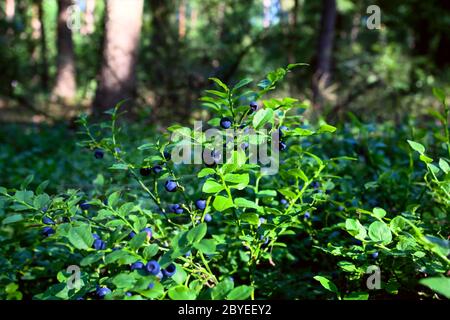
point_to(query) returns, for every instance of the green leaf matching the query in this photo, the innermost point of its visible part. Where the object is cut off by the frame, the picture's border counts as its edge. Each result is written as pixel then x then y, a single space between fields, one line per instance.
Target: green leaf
pixel 124 281
pixel 250 217
pixel 207 246
pixel 222 203
pixel 266 193
pixel 150 251
pixel 440 285
pixel 347 266
pixel 113 199
pixel 121 257
pixel 237 178
pixel 326 128
pixel 357 296
pixel 242 83
pixel 81 236
pixel 119 166
pixel 327 284
pixel 240 293
pixel 262 117
pixel 138 240
pixel 13 218
pixel 379 212
pixel 197 233
pixel 244 203
pixel 220 83
pixel 90 259
pixel 439 94
pixel 416 146
pixel 182 293
pixel 380 232
pixel 205 172
pixel 356 229
pixel 211 186
pixel 41 201
pixel 397 224
pixel 220 291
pixel 301 132
pixel 444 166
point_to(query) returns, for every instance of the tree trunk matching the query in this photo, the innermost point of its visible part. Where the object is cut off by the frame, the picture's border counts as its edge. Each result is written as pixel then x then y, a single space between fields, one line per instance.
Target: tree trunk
pixel 322 75
pixel 10 9
pixel 43 41
pixel 182 19
pixel 120 51
pixel 65 85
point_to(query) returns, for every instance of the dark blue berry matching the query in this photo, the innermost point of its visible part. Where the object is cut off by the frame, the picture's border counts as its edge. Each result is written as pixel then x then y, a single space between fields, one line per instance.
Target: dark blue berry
pixel 157 169
pixel 47 220
pixel 84 205
pixel 176 208
pixel 170 186
pixel 340 208
pixel 200 204
pixel 137 265
pixel 167 155
pixel 307 215
pixel 283 202
pixel 170 270
pixel 253 107
pixel 102 292
pixel 153 267
pixel 128 294
pixel 95 236
pixel 225 123
pixel 145 172
pixel 98 153
pixel 132 234
pixel 151 286
pixel 48 231
pixel 375 255
pixel 99 244
pixel 315 184
pixel 208 217
pixel 149 232
pixel 283 146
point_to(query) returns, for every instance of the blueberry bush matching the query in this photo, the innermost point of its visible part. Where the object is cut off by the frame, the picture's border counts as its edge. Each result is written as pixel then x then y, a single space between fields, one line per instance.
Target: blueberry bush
pixel 353 212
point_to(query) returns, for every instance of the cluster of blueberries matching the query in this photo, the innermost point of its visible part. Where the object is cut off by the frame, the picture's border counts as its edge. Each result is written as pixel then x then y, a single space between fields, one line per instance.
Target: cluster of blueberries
pixel 226 123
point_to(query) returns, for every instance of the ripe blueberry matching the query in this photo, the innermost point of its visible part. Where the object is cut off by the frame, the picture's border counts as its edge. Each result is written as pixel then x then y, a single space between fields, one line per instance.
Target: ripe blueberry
pixel 167 155
pixel 95 236
pixel 200 204
pixel 102 292
pixel 315 184
pixel 99 244
pixel 48 231
pixel 132 234
pixel 340 208
pixel 283 146
pixel 253 107
pixel 151 286
pixel 170 270
pixel 149 232
pixel 47 220
pixel 375 255
pixel 98 154
pixel 153 267
pixel 176 208
pixel 160 275
pixel 137 265
pixel 208 217
pixel 157 169
pixel 84 205
pixel 145 172
pixel 170 186
pixel 225 123
pixel 307 215
pixel 128 294
pixel 283 202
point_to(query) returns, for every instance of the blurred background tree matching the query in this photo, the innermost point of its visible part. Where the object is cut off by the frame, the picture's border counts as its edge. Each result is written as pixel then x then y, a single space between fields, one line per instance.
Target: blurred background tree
pixel 159 54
